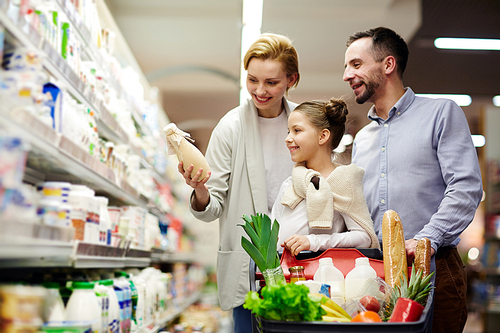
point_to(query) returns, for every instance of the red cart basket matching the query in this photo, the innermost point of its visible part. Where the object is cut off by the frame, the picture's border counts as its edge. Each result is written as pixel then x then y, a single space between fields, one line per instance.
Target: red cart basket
pixel 344 260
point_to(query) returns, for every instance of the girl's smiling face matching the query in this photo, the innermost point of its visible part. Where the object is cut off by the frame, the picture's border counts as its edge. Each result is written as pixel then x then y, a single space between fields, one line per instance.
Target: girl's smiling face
pixel 303 138
pixel 267 83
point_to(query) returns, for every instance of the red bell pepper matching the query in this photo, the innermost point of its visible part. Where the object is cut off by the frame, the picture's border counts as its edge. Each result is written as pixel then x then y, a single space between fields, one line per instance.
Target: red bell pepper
pixel 406 310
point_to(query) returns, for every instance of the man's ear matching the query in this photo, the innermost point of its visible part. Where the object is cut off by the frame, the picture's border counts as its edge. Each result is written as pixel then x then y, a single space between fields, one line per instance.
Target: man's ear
pixel 324 137
pixel 389 65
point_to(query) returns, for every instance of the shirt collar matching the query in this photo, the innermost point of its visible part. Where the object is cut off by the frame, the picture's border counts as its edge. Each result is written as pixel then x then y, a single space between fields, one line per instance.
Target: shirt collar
pixel 400 107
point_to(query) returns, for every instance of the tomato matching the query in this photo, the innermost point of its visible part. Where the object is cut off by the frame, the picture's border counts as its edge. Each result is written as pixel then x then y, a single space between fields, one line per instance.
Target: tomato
pixel 367 317
pixel 370 303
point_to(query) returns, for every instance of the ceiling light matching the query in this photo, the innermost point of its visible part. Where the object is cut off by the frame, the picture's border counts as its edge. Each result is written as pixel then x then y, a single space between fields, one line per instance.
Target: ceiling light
pixel 478 140
pixel 467 44
pixel 462 100
pixel 496 100
pixel 250 31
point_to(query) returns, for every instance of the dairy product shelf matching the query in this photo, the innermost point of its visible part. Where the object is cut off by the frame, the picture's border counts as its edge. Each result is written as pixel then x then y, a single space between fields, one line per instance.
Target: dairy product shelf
pixel 54 154
pixel 173 313
pixel 25 35
pixel 34 253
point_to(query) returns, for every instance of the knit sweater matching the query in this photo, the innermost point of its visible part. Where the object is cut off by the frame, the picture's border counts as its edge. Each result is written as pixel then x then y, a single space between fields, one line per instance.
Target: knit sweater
pixel 345 195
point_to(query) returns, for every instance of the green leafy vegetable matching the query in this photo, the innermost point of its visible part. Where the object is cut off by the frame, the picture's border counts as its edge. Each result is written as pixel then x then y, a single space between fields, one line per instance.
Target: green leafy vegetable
pixel 285 302
pixel 263 240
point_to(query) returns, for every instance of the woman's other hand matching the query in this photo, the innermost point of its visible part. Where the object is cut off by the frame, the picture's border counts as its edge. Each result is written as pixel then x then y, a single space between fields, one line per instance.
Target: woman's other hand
pixel 296 243
pixel 201 195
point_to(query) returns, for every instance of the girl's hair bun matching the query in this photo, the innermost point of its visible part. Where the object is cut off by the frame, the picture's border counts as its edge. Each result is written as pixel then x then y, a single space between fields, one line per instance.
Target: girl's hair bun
pixel 336 111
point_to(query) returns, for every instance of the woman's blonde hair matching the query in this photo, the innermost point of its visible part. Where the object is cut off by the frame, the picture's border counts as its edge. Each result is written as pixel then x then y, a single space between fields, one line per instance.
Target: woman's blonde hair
pixel 275 47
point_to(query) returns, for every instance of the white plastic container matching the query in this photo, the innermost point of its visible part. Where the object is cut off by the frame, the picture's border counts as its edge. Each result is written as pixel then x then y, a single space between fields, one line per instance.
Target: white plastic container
pixel 83 305
pixel 104 221
pixel 357 277
pixel 53 306
pixel 141 295
pixel 101 292
pixel 123 293
pixel 327 273
pixel 114 307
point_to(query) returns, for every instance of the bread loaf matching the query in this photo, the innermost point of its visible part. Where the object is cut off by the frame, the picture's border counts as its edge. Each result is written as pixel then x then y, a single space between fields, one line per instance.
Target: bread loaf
pixel 423 256
pixel 186 152
pixel 393 244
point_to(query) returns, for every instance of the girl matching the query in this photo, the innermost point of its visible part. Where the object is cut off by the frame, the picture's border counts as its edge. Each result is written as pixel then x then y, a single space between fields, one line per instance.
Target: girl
pixel 322 204
pixel 248 163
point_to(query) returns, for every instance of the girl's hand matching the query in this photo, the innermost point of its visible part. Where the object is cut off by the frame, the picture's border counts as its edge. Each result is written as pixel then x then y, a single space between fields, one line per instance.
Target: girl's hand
pixel 202 196
pixel 296 243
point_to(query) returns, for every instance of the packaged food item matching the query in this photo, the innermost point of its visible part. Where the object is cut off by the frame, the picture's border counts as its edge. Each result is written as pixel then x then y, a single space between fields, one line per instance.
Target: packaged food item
pixel 394 249
pixel 358 276
pixel 297 274
pixel 13 155
pixel 84 305
pixel 327 273
pixel 423 256
pixel 187 153
pixel 20 303
pixel 53 306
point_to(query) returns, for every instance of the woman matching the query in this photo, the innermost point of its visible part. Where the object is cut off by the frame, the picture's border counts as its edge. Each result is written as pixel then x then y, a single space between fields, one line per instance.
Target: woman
pixel 322 204
pixel 248 164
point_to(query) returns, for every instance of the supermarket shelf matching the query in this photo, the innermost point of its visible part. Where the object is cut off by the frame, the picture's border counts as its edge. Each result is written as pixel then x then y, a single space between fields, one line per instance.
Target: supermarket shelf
pixel 60 158
pixel 175 312
pixel 57 66
pixel 34 253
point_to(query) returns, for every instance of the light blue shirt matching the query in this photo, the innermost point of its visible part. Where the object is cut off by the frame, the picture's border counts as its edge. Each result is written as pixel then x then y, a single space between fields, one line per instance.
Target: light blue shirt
pixel 421 163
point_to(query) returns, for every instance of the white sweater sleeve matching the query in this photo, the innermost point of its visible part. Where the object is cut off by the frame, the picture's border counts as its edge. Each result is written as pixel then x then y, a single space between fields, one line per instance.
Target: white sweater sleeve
pixel 355 236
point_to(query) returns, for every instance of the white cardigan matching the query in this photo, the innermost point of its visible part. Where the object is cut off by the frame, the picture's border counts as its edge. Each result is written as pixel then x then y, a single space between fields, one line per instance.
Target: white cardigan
pixel 237 187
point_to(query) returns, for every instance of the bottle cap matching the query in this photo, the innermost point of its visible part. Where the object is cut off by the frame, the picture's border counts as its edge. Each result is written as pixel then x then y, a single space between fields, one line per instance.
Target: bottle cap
pixel 296 269
pixel 82 285
pixel 362 261
pixel 325 261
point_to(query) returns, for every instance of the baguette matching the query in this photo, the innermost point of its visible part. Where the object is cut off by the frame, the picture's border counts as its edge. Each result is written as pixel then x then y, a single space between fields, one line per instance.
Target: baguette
pixel 394 249
pixel 423 256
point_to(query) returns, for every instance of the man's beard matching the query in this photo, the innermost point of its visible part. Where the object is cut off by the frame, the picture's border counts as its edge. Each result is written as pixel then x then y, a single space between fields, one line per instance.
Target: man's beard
pixel 371 86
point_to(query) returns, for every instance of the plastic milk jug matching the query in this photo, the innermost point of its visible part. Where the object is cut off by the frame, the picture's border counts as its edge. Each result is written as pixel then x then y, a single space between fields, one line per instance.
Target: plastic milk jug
pixel 357 277
pixel 114 308
pixel 327 273
pixel 83 305
pixel 53 309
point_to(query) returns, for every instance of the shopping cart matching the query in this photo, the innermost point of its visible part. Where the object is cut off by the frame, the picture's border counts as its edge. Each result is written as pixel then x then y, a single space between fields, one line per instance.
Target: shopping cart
pixel 344 260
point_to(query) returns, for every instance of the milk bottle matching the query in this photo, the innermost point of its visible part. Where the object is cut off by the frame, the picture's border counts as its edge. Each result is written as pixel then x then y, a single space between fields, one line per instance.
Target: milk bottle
pixel 358 276
pixel 327 273
pixel 83 305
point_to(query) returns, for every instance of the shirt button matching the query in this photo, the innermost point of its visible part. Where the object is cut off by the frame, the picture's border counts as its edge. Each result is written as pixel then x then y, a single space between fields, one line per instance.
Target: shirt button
pixel 382 201
pixel 383 148
pixel 382 175
pixel 385 125
pixel 399 113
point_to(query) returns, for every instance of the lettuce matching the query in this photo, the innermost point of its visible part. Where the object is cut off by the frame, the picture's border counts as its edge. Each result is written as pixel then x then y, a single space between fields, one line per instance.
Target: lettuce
pixel 285 302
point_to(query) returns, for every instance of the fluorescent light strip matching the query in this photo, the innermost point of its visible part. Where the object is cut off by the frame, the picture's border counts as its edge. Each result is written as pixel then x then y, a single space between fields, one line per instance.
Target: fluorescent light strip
pixel 478 140
pixel 462 100
pixel 467 44
pixel 252 22
pixel 496 100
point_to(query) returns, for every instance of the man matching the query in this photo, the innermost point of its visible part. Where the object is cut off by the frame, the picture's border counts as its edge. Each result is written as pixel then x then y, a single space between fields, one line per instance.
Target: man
pixel 419 161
